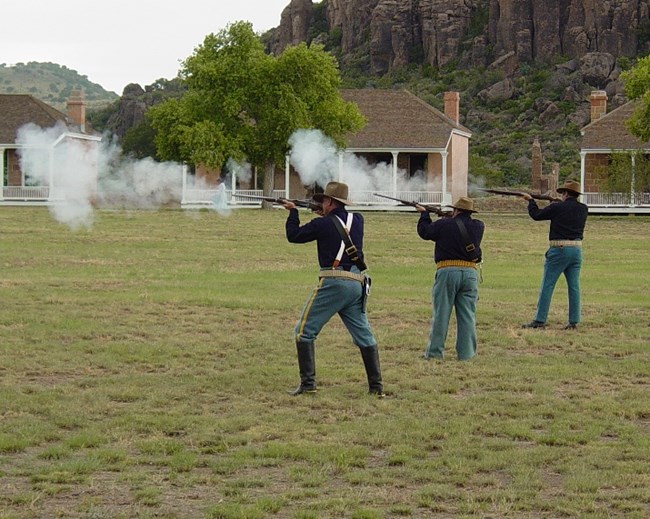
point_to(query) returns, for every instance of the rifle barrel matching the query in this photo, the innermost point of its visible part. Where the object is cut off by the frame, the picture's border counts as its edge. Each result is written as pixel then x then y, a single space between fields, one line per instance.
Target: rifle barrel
pixel 536 196
pixel 429 207
pixel 309 204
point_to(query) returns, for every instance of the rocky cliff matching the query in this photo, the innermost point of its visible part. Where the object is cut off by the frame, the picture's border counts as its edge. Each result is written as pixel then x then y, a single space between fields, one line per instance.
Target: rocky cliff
pixel 471 32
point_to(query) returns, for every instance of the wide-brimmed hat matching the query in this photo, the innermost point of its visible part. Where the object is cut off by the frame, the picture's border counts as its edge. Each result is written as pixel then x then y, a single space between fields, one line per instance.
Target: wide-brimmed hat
pixel 336 190
pixel 571 186
pixel 464 204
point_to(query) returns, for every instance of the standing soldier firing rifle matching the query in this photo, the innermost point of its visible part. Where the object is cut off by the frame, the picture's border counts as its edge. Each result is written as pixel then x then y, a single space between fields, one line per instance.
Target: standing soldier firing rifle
pixel 564 255
pixel 457 255
pixel 342 285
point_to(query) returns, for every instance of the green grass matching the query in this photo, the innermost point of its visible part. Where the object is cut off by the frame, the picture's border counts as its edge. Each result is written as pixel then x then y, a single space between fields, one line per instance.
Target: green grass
pixel 144 368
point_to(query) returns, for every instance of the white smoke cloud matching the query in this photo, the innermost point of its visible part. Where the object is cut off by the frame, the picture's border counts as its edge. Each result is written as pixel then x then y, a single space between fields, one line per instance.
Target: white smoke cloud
pixel 317 160
pixel 314 157
pixel 243 171
pixel 476 184
pixel 84 174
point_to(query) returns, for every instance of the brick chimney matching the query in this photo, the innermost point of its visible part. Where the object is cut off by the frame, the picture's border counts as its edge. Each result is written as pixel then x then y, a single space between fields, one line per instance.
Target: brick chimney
pixel 77 109
pixel 598 100
pixel 452 106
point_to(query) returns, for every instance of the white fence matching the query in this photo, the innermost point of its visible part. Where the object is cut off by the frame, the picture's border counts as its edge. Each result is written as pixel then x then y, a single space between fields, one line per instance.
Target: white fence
pixel 616 199
pixel 360 198
pixel 36 193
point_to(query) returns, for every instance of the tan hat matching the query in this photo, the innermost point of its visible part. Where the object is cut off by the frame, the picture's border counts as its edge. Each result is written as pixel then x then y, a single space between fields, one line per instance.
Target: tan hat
pixel 336 190
pixel 464 204
pixel 571 186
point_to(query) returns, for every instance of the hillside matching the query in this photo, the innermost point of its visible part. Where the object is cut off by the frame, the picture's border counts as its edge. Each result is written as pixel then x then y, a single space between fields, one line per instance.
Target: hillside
pixel 51 83
pixel 524 68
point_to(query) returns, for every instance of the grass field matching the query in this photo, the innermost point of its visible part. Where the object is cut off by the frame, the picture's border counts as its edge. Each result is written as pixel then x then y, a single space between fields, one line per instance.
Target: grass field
pixel 144 366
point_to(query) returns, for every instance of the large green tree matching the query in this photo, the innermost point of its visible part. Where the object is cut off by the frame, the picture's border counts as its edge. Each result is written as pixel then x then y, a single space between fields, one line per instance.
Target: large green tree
pixel 242 103
pixel 637 86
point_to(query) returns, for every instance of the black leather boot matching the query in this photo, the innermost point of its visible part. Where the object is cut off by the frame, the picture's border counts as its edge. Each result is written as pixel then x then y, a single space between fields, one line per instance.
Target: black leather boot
pixel 307 367
pixel 371 362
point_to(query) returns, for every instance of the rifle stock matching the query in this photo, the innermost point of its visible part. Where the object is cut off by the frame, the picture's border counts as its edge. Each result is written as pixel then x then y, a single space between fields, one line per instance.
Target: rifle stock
pixel 308 204
pixel 507 192
pixel 430 208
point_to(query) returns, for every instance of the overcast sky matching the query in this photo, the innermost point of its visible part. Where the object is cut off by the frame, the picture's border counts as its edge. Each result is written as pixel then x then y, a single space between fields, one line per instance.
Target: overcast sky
pixel 118 42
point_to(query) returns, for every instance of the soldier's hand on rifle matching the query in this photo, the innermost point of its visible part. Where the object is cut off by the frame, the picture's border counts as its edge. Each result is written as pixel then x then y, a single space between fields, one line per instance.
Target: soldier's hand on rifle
pixel 419 208
pixel 288 204
pixel 526 196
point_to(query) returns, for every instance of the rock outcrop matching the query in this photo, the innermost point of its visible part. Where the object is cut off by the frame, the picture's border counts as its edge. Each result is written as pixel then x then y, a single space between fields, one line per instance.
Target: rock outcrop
pixel 395 33
pixel 130 111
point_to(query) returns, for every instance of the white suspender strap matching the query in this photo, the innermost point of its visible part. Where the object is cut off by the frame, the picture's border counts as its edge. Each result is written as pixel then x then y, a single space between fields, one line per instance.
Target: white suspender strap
pixel 347 226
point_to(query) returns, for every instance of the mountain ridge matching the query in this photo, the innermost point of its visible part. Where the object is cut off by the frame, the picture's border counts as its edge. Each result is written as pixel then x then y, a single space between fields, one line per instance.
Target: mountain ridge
pixel 52 84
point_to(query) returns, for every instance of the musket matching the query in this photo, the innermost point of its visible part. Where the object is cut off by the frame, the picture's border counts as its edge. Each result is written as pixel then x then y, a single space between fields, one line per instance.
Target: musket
pixel 507 192
pixel 309 204
pixel 430 208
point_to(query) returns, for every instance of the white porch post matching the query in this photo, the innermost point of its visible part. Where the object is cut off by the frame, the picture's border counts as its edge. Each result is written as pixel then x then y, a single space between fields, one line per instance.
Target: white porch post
pixel 340 165
pixel 183 183
pixel 287 175
pixel 583 157
pixel 2 173
pixel 444 177
pixel 394 179
pixel 632 192
pixel 233 180
pixel 50 189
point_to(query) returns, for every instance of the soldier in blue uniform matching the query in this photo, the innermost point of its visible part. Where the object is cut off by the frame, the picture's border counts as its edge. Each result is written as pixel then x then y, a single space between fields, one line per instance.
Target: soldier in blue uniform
pixel 457 255
pixel 342 286
pixel 564 255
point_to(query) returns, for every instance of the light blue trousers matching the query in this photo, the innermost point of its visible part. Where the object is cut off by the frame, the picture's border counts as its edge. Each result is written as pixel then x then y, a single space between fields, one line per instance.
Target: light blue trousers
pixel 335 296
pixel 454 288
pixel 561 260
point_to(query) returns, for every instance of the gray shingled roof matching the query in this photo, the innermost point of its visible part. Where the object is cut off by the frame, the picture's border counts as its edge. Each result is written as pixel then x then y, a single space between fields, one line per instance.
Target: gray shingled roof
pixel 17 110
pixel 610 133
pixel 397 119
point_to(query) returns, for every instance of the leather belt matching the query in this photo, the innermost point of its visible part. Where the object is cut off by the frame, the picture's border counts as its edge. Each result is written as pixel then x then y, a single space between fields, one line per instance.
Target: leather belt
pixel 456 263
pixel 565 243
pixel 342 274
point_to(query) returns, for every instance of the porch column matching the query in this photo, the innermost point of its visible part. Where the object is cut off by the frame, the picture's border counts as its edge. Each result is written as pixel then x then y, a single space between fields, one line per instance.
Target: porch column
pixel 50 190
pixel 444 177
pixel 233 180
pixel 583 157
pixel 287 175
pixel 2 173
pixel 632 191
pixel 183 183
pixel 395 154
pixel 340 153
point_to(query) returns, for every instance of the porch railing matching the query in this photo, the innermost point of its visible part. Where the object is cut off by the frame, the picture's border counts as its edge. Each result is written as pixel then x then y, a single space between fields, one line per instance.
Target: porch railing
pixel 25 192
pixel 616 199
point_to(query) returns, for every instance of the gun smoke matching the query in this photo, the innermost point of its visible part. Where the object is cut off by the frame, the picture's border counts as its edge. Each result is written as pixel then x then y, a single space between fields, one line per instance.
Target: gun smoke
pixel 318 161
pixel 82 175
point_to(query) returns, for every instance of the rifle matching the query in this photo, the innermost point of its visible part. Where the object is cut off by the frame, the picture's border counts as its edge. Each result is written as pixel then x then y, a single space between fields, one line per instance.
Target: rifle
pixel 309 204
pixel 430 208
pixel 507 192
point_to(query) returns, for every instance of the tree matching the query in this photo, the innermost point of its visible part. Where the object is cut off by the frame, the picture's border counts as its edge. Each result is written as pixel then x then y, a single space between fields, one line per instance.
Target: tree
pixel 627 172
pixel 244 104
pixel 637 86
